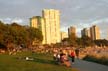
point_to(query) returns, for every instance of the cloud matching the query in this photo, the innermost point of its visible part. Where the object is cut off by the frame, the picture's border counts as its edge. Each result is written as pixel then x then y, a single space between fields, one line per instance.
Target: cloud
pixel 7 20
pixel 11 20
pixel 100 21
pixel 79 13
pixel 56 1
pixel 17 20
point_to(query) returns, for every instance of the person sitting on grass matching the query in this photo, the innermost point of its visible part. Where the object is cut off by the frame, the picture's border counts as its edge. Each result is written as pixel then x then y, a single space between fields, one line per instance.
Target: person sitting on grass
pixel 64 60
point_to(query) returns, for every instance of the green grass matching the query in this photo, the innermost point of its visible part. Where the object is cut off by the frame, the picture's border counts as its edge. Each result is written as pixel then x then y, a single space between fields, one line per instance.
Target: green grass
pixel 41 62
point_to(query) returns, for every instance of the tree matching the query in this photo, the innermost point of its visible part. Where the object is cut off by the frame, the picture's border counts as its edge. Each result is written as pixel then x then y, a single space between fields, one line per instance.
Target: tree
pixel 79 42
pixel 86 41
pixel 15 34
pixel 19 34
pixel 101 42
pixel 35 35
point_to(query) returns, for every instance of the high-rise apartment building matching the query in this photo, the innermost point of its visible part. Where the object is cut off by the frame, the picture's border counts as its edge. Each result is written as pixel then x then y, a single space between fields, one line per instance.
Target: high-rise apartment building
pixel 72 31
pixel 49 24
pixel 38 22
pixel 85 32
pixel 52 25
pixel 34 21
pixel 95 32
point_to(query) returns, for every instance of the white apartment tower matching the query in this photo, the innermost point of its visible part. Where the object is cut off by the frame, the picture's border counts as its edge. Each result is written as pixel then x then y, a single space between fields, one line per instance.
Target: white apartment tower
pixel 34 22
pixel 52 25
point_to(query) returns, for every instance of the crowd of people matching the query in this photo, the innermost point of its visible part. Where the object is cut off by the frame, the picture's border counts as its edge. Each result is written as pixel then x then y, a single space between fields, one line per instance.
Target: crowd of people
pixel 97 51
pixel 65 56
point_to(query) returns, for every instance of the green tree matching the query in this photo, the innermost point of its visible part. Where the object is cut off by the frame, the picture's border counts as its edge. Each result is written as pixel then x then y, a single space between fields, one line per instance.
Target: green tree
pixel 15 34
pixel 79 42
pixel 86 41
pixel 19 34
pixel 2 30
pixel 35 35
pixel 101 42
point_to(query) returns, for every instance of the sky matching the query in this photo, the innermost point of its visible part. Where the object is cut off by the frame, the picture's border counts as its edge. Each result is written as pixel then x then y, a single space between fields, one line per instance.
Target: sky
pixel 78 13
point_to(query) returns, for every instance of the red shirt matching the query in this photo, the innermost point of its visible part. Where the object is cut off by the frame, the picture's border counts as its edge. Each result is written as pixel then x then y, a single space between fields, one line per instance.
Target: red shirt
pixel 72 54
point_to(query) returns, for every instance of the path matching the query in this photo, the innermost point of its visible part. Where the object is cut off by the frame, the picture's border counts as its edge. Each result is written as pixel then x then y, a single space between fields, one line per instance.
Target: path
pixel 89 66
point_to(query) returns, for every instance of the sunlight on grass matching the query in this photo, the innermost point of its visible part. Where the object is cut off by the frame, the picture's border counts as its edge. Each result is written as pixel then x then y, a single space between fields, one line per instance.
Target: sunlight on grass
pixel 41 62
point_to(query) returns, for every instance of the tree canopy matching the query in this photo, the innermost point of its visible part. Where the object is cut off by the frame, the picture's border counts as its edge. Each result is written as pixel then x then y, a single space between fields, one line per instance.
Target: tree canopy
pixel 18 35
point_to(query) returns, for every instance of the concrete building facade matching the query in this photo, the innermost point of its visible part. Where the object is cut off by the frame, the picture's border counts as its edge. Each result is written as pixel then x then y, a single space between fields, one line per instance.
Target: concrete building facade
pixel 52 25
pixel 95 32
pixel 71 31
pixel 38 22
pixel 49 24
pixel 34 21
pixel 85 32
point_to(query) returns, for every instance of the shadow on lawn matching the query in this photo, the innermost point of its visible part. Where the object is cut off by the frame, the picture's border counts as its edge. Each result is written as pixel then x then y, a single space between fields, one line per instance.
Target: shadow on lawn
pixel 45 61
pixel 38 60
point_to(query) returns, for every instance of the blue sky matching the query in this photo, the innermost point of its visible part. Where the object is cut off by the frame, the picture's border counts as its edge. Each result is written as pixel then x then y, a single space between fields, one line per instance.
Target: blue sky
pixel 78 13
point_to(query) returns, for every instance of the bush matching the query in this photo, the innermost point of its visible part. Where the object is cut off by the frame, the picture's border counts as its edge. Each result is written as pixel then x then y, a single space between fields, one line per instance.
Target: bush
pixel 101 60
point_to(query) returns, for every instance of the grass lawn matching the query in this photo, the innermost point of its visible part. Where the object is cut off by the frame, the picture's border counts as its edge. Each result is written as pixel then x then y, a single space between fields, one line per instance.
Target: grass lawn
pixel 41 62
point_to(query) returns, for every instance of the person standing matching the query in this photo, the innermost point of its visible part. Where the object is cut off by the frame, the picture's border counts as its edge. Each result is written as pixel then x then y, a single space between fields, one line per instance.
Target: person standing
pixel 72 55
pixel 77 52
